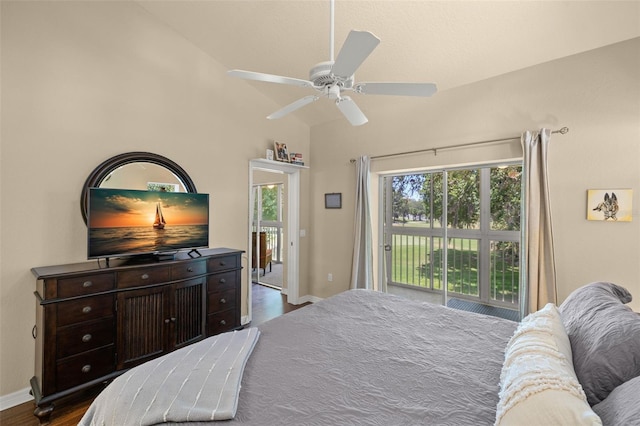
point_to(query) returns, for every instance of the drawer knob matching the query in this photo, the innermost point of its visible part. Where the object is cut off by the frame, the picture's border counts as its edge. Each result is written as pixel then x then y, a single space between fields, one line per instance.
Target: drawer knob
pixel 86 338
pixel 223 322
pixel 189 269
pixel 86 309
pixel 145 276
pixel 222 281
pixel 223 300
pixel 86 368
pixel 87 284
pixel 223 263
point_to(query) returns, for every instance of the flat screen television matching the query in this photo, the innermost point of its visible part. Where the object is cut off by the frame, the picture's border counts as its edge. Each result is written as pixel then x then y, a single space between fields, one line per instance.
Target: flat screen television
pixel 124 222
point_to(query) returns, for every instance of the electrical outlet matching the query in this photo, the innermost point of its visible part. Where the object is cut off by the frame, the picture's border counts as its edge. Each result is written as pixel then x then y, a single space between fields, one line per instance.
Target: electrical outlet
pixel 330 277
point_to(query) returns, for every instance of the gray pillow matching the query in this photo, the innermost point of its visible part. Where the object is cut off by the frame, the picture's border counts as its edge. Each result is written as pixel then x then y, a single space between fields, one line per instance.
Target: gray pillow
pixel 621 406
pixel 604 336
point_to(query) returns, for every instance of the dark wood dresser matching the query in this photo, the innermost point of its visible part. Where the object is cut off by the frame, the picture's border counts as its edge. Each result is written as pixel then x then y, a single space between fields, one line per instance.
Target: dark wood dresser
pixel 93 322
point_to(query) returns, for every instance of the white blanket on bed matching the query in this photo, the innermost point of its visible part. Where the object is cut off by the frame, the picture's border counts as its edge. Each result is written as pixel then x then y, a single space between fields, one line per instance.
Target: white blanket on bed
pixel 200 382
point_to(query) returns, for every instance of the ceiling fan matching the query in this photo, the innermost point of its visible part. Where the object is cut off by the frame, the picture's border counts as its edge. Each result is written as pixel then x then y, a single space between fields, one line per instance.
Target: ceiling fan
pixel 331 78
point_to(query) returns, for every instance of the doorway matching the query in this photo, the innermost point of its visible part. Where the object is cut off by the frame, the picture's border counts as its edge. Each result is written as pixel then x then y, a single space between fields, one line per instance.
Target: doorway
pixel 264 172
pixel 267 235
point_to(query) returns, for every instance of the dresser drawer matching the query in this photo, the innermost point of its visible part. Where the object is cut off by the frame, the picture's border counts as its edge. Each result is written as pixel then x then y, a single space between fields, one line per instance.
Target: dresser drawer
pixel 85 337
pixel 222 282
pixel 188 270
pixel 87 309
pixel 85 367
pixel 221 321
pixel 221 301
pixel 88 284
pixel 224 262
pixel 144 276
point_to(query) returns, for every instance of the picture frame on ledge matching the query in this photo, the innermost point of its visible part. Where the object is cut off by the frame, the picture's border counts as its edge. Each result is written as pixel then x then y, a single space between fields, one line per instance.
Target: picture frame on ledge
pixel 333 200
pixel 281 151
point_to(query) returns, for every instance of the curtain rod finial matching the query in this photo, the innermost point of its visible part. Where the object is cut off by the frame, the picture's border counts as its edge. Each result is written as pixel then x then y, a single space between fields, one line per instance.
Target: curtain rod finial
pixel 352 161
pixel 563 131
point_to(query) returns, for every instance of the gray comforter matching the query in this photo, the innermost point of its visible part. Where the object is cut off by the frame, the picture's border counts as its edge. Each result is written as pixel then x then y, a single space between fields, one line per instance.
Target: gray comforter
pixel 368 358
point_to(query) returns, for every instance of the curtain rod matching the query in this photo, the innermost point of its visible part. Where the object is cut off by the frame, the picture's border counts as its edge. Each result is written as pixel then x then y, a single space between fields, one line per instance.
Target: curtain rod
pixel 562 131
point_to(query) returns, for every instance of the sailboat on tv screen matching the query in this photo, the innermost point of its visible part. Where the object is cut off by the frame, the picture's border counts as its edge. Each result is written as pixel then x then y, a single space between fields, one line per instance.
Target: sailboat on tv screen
pixel 159 222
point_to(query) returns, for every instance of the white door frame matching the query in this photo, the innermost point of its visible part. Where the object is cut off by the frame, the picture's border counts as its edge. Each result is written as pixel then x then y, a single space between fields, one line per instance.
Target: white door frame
pixel 292 225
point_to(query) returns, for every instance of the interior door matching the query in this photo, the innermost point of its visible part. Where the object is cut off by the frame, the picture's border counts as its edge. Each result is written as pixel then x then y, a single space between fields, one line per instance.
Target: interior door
pixel 290 175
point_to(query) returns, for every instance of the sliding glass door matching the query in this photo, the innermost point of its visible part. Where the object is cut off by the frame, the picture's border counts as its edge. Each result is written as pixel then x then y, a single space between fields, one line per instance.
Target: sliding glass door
pixel 477 245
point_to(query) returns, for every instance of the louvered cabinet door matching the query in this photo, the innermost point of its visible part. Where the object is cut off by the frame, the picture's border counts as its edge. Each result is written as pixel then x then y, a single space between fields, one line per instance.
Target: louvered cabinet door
pixel 187 313
pixel 144 320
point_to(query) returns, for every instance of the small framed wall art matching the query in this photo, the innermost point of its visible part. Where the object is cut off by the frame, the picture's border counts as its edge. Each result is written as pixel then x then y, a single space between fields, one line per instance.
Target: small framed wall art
pixel 610 205
pixel 333 200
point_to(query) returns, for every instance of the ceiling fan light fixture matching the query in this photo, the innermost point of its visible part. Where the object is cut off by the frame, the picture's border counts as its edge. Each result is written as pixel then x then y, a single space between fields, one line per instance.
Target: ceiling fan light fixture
pixel 331 78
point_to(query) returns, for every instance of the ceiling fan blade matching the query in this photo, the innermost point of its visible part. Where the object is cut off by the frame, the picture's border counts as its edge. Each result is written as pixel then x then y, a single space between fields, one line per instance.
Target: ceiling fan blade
pixel 293 106
pixel 269 78
pixel 357 47
pixel 351 111
pixel 397 89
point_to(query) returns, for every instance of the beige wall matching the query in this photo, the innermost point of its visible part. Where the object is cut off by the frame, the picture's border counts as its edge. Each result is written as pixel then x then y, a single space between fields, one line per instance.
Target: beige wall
pixel 595 94
pixel 83 81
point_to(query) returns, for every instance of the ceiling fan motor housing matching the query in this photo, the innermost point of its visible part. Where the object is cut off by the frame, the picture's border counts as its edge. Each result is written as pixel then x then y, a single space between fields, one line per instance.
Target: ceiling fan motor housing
pixel 320 75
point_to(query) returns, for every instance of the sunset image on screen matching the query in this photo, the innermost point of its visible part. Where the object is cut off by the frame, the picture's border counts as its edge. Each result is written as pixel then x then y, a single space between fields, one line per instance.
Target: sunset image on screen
pixel 125 208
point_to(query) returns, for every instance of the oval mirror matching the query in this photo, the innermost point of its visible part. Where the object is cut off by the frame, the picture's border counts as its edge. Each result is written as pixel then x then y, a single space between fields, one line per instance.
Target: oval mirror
pixel 137 170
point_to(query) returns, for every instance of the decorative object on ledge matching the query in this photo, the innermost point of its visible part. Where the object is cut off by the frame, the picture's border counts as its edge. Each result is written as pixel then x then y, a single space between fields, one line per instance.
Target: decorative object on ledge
pixel 269 154
pixel 333 200
pixel 282 154
pixel 609 204
pixel 296 158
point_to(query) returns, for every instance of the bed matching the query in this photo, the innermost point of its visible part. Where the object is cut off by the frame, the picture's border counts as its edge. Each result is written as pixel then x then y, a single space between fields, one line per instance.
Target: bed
pixel 369 358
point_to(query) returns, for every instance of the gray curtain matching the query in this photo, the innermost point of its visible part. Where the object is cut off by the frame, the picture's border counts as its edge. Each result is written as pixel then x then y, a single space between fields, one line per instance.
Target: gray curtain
pixel 539 271
pixel 362 260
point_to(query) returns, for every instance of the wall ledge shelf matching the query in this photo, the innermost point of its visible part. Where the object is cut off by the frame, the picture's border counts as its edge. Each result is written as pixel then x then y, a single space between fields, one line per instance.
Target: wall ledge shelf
pixel 277 165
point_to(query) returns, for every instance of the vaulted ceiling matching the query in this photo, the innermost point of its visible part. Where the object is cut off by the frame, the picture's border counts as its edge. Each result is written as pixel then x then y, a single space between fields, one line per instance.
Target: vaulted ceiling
pixel 450 43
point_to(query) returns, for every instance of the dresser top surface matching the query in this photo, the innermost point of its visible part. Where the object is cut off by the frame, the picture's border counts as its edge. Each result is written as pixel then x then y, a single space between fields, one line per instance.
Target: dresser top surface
pixel 99 265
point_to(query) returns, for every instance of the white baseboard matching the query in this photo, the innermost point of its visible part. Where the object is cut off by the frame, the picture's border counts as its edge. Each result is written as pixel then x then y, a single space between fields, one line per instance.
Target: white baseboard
pixel 244 320
pixel 16 398
pixel 309 298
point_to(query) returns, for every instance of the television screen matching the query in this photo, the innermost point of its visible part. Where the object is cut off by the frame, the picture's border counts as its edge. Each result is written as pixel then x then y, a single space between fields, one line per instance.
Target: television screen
pixel 124 222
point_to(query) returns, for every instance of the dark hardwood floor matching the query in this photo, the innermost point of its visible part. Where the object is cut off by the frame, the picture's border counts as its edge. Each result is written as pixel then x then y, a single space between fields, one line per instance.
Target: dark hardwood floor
pixel 267 303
